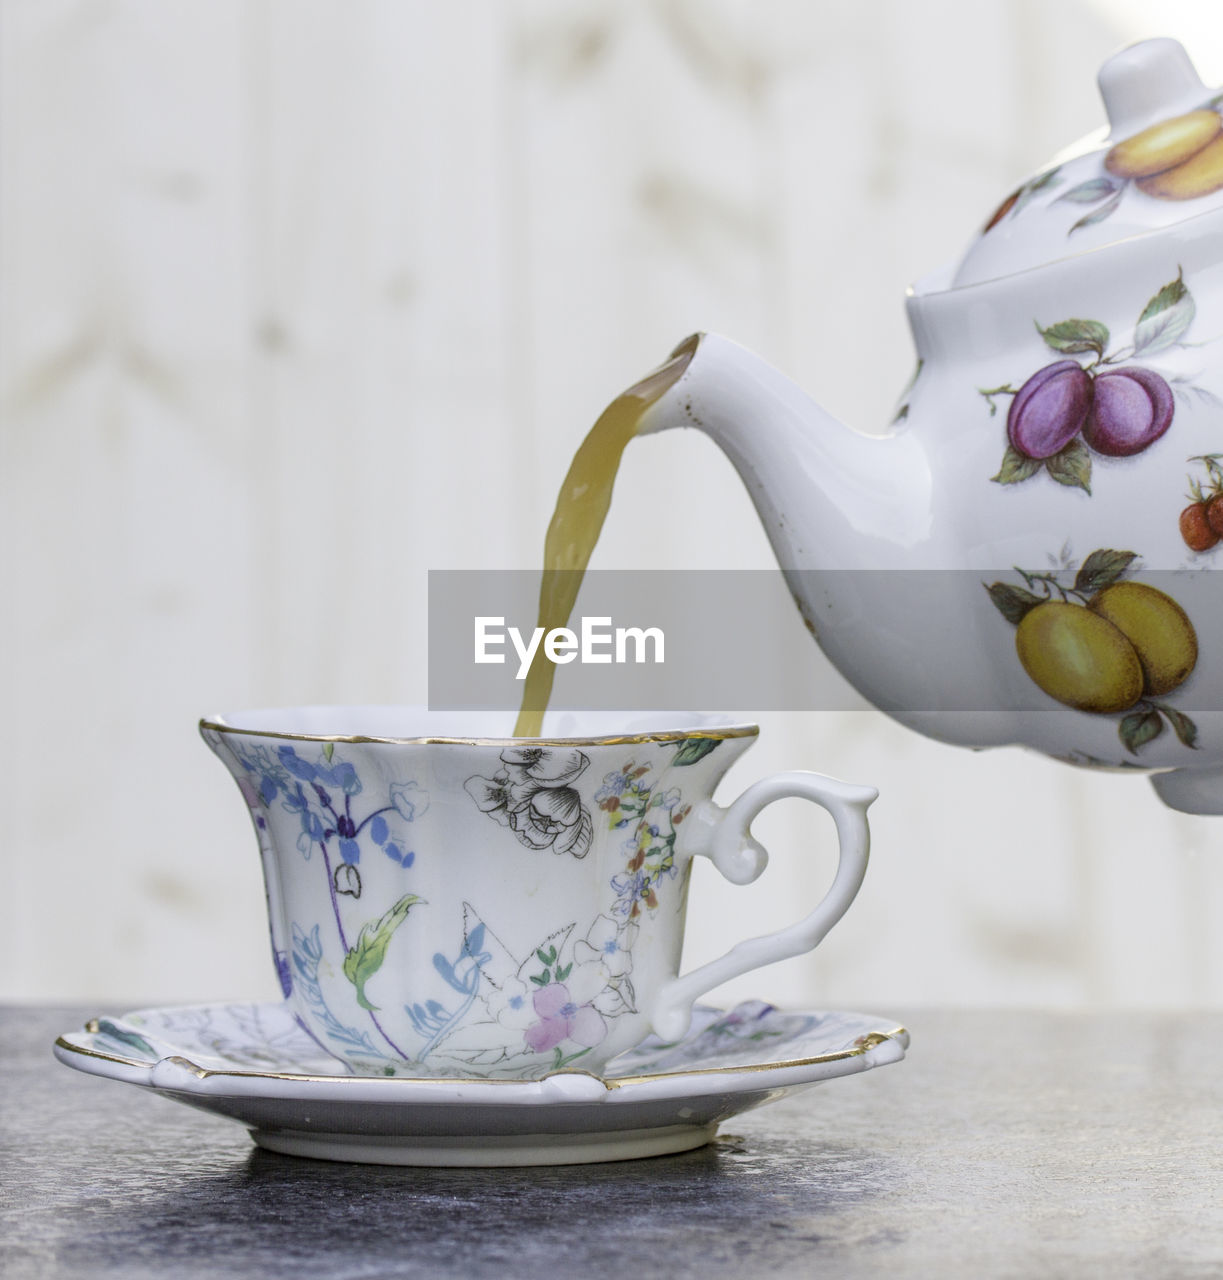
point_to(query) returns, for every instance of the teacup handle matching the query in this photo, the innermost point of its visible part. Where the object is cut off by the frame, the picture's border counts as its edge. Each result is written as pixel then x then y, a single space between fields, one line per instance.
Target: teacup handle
pixel 722 835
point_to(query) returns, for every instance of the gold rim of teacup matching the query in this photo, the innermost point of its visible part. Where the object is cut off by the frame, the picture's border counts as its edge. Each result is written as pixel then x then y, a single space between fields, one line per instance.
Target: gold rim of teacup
pixel 719 732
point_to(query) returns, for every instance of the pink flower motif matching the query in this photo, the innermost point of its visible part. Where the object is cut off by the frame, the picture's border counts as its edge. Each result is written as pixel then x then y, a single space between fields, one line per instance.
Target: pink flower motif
pixel 562 1019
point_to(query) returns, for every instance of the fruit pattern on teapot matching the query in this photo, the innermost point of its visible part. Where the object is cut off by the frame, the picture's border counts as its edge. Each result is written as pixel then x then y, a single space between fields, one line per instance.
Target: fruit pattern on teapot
pixel 1180 158
pixel 1067 411
pixel 1201 523
pixel 1104 644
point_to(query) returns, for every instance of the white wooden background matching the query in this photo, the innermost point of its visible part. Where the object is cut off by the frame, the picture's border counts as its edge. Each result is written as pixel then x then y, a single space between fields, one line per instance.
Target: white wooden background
pixel 302 298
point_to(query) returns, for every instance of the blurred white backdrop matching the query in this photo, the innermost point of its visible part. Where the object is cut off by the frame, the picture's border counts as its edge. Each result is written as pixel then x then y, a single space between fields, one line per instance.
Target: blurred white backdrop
pixel 303 298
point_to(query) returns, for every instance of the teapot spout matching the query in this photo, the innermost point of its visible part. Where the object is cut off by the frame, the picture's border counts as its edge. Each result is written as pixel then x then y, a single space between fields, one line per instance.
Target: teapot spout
pixel 829 497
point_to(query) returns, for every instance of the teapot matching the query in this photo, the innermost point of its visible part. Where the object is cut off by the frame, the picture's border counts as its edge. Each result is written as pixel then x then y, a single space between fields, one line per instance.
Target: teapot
pixel 1021 559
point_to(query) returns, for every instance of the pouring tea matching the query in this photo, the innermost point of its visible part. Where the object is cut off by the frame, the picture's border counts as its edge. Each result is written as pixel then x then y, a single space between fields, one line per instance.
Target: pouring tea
pixel 1058 455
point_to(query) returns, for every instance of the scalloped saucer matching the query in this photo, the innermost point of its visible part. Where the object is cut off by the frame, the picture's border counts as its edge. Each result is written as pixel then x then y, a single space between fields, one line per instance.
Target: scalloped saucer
pixel 254 1064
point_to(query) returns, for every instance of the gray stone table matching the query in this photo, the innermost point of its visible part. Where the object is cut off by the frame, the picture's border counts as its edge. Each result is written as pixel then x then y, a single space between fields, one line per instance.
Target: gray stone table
pixel 1007 1144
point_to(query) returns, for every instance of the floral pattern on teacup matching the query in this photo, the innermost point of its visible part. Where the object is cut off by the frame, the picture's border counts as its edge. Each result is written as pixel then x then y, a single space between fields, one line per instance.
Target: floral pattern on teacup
pixel 532 794
pixel 650 817
pixel 322 792
pixel 480 1009
pixel 561 999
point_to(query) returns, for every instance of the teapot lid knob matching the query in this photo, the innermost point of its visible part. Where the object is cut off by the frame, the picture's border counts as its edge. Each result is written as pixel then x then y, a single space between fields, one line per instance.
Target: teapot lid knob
pixel 1148 82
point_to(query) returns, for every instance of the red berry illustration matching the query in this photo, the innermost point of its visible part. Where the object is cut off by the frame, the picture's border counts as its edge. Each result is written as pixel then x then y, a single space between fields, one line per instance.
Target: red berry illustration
pixel 1201 523
pixel 1196 528
pixel 1049 409
pixel 1130 409
pixel 1214 514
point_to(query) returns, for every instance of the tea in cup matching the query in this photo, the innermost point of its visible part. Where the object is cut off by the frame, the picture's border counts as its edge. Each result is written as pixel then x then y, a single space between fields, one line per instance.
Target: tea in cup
pixel 444 903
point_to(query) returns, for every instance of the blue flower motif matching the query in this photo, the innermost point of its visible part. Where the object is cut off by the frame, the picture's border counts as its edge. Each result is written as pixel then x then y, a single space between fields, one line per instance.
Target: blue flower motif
pixel 341 774
pixel 613 785
pixel 629 888
pixel 409 799
pixel 284 972
pixel 298 767
pixel 396 854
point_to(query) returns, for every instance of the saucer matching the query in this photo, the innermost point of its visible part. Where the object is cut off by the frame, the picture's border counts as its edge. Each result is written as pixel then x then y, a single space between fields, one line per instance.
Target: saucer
pixel 255 1064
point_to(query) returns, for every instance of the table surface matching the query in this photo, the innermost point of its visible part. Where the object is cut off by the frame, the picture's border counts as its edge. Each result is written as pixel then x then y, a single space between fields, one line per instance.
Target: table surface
pixel 1007 1144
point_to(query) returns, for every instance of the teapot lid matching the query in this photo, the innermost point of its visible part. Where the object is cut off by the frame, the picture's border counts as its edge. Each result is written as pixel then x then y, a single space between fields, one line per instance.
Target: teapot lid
pixel 1159 162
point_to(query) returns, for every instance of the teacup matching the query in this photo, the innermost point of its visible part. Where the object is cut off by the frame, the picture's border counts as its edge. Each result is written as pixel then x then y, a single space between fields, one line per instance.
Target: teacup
pixel 448 904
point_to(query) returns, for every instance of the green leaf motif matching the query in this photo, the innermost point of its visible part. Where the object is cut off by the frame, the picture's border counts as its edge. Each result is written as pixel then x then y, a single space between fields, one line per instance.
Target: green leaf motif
pixel 693 749
pixel 365 959
pixel 1102 568
pixel 1138 728
pixel 1042 180
pixel 131 1039
pixel 1106 210
pixel 1165 318
pixel 1185 729
pixel 1016 467
pixel 1072 466
pixel 1072 337
pixel 1090 191
pixel 1012 602
pixel 328 751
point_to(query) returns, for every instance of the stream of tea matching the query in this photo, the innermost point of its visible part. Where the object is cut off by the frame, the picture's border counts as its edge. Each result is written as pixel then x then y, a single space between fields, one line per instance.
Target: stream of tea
pixel 581 508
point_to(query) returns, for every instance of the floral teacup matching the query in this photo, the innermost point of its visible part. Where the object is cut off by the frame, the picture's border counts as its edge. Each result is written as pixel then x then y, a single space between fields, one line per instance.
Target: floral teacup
pixel 452 905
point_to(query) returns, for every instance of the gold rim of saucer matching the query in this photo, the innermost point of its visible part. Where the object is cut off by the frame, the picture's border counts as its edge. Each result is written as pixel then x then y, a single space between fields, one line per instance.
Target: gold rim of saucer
pixel 861 1047
pixel 720 732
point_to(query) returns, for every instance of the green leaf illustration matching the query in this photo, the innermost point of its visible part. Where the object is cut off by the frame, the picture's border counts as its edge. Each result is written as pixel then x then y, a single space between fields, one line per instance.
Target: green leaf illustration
pixel 1098 214
pixel 1071 337
pixel 129 1038
pixel 1185 729
pixel 365 959
pixel 1016 467
pixel 1140 727
pixel 328 751
pixel 1102 568
pixel 1072 466
pixel 1012 602
pixel 1165 318
pixel 1042 180
pixel 1090 191
pixel 693 749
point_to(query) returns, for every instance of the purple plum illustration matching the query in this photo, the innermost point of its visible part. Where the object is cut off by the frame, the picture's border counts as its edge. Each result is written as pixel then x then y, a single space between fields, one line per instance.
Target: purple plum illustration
pixel 1131 409
pixel 1049 409
pixel 1092 402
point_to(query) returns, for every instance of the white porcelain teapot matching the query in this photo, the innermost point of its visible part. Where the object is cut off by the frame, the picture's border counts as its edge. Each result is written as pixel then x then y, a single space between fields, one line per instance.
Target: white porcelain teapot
pixel 1021 559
